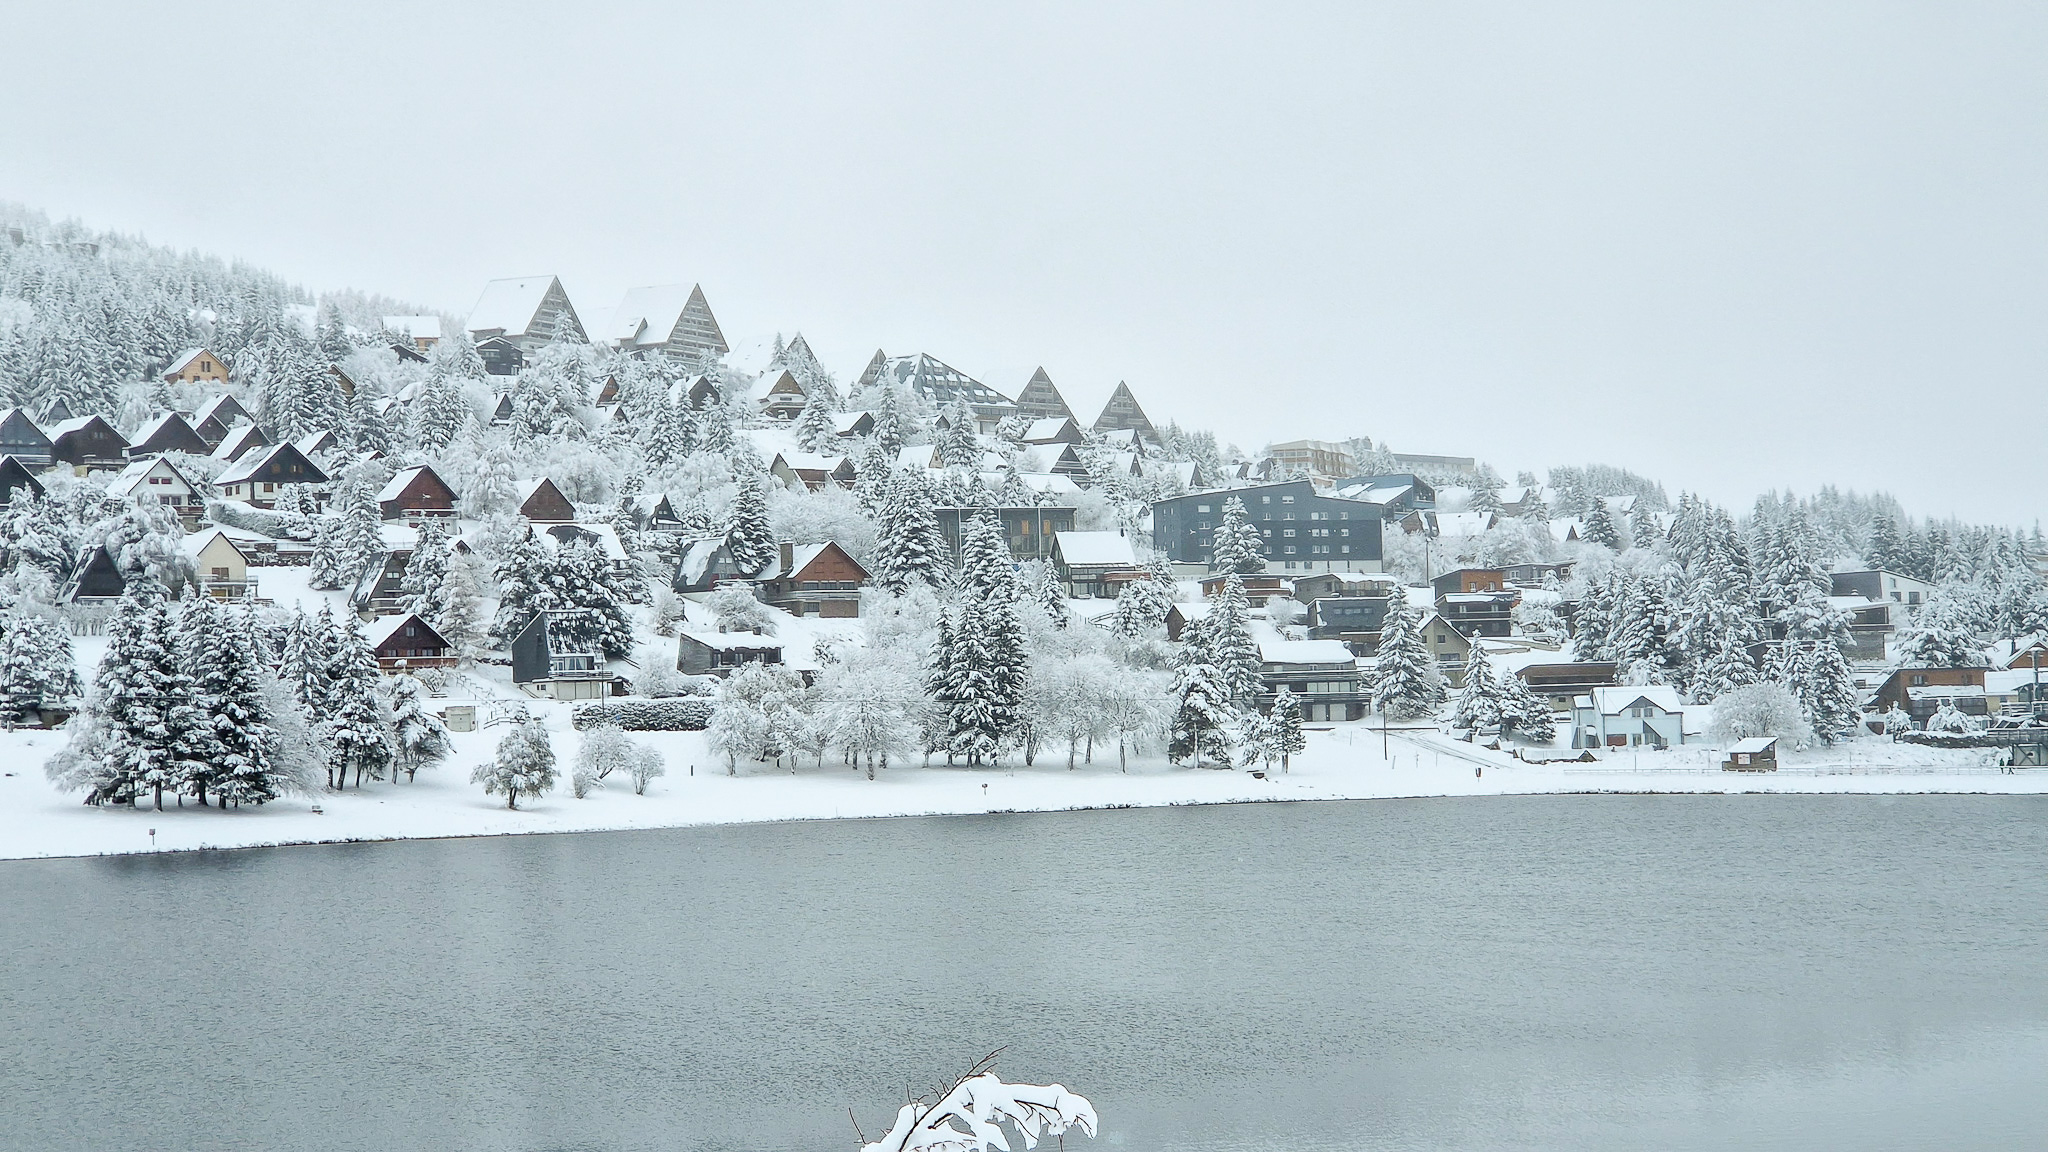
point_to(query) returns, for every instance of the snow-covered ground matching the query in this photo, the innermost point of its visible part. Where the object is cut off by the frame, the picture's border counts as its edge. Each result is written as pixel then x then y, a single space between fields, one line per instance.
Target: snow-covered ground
pixel 1342 762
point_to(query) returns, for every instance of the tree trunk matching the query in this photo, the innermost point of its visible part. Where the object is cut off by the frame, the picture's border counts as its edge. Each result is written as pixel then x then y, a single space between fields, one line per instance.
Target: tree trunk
pixel 159 797
pixel 512 798
pixel 1071 743
pixel 1123 761
pixel 1090 757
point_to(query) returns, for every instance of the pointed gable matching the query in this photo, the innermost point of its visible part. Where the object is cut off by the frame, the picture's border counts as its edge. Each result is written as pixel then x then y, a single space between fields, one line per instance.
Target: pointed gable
pixel 1041 401
pixel 877 363
pixel 15 477
pixel 1122 413
pixel 666 318
pixel 168 433
pixel 85 441
pixel 533 308
pixel 543 503
pixel 19 436
pixel 415 491
pixel 240 441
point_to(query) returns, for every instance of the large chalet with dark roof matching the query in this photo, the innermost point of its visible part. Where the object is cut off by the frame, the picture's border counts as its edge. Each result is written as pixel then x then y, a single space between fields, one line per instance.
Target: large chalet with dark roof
pixel 22 439
pixel 241 440
pixel 1122 413
pixel 167 433
pixel 940 386
pixel 1041 401
pixel 813 580
pixel 88 444
pixel 257 477
pixel 515 318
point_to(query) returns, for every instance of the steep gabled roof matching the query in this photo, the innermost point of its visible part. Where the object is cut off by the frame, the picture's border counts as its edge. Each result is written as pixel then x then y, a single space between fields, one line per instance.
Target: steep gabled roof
pixel 1040 399
pixel 511 306
pixel 224 406
pixel 672 316
pixel 172 429
pixel 245 469
pixel 239 440
pixel 132 476
pixel 939 383
pixel 184 360
pixel 385 627
pixel 1122 412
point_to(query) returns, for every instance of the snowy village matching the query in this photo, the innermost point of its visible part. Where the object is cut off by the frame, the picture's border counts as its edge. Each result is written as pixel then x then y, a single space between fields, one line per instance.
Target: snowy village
pixel 394 571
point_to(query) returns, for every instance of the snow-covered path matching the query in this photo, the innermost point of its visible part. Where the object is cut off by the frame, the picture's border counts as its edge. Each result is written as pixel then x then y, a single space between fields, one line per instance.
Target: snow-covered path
pixel 1343 762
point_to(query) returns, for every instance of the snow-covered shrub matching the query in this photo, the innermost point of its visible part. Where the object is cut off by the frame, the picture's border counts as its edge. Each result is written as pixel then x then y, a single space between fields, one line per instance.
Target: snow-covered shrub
pixel 524 766
pixel 1949 719
pixel 658 678
pixel 969 1114
pixel 736 609
pixel 669 611
pixel 677 714
pixel 1759 710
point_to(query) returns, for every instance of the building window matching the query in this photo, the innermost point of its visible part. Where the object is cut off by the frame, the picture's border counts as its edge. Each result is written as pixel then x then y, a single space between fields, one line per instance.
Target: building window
pixel 1289 533
pixel 1265 499
pixel 1201 507
pixel 1287 499
pixel 1345 549
pixel 1290 552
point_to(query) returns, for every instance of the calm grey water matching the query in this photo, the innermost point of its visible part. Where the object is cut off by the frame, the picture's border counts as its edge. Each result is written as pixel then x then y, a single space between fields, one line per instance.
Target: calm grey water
pixel 1557 973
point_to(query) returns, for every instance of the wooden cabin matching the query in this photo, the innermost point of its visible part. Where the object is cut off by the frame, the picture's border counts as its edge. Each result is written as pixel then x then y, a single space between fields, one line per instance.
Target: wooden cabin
pixel 88 444
pixel 543 503
pixel 159 478
pixel 415 493
pixel 96 580
pixel 542 669
pixel 812 472
pixel 194 365
pixel 240 441
pixel 820 580
pixel 167 433
pixel 15 477
pixel 719 653
pixel 219 416
pixel 1756 754
pixel 406 643
pixel 22 439
pixel 257 477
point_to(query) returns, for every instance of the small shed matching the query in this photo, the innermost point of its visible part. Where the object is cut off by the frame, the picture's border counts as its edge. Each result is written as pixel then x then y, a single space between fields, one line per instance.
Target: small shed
pixel 1756 754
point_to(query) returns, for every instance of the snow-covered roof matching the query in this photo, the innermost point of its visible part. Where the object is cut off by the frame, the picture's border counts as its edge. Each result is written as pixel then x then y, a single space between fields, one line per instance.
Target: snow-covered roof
pixel 215 404
pixel 1044 430
pixel 1478 597
pixel 313 442
pixel 132 476
pixel 399 479
pixel 1611 701
pixel 1095 549
pixel 246 467
pixel 417 327
pixel 554 536
pixel 1464 523
pixel 1048 482
pixel 184 360
pixel 646 316
pixel 1753 745
pixel 196 543
pixel 843 422
pixel 510 305
pixel 2006 681
pixel 1275 651
pixel 917 456
pixel 733 641
pixel 150 429
pixel 808 461
pixel 384 627
pixel 697 556
pixel 74 424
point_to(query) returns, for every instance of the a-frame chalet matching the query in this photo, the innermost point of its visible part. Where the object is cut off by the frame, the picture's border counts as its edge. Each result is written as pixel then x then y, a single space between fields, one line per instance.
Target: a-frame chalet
pixel 1041 401
pixel 666 318
pixel 1122 413
pixel 514 318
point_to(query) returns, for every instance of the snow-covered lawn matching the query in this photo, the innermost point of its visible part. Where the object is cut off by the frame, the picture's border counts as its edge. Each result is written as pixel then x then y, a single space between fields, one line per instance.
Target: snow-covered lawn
pixel 1342 762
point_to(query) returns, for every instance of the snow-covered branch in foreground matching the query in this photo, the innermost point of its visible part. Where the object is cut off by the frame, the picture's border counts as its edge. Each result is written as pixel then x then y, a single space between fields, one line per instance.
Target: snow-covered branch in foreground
pixel 970 1116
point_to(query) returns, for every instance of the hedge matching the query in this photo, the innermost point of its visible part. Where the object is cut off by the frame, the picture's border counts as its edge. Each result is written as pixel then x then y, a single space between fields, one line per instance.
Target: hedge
pixel 673 714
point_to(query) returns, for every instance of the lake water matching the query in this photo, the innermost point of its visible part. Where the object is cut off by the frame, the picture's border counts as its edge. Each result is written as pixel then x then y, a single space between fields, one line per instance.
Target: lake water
pixel 1500 973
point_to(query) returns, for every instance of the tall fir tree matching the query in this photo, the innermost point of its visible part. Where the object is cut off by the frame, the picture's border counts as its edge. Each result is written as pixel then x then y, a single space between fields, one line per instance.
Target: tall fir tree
pixel 1599 528
pixel 748 539
pixel 356 724
pixel 1231 646
pixel 910 551
pixel 1479 700
pixel 1237 545
pixel 1406 684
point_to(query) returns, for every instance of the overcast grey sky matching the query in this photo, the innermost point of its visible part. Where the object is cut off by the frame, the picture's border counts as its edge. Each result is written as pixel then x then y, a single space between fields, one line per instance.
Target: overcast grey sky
pixel 1734 247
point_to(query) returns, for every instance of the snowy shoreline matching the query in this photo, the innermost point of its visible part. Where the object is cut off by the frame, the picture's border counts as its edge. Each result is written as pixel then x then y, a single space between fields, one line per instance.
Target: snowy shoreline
pixel 1341 763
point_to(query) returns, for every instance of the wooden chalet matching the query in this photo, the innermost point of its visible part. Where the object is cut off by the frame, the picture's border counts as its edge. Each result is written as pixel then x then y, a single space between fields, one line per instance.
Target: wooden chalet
pixel 240 441
pixel 853 425
pixel 542 667
pixel 705 564
pixel 1259 587
pixel 88 444
pixel 719 653
pixel 702 392
pixel 1095 565
pixel 157 478
pixel 543 503
pixel 22 439
pixel 501 410
pixel 217 417
pixel 256 478
pixel 652 512
pixel 15 477
pixel 1920 692
pixel 194 365
pixel 96 580
pixel 167 433
pixel 813 580
pixel 406 643
pixel 222 564
pixel 1053 430
pixel 806 470
pixel 1558 684
pixel 416 493
pixel 608 392
pixel 778 395
pixel 318 445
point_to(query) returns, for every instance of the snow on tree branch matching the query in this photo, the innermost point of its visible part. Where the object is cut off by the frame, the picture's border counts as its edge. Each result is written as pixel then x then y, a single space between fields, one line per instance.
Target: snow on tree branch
pixel 969 1116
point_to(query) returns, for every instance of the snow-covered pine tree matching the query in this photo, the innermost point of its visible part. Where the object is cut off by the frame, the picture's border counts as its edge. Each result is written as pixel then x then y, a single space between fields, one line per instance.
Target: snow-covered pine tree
pixel 1232 649
pixel 1884 549
pixel 361 542
pixel 1479 703
pixel 526 588
pixel 356 724
pixel 1286 721
pixel 461 621
pixel 329 561
pixel 714 430
pixel 910 551
pixel 152 731
pixel 1827 692
pixel 228 676
pixel 1237 544
pixel 585 577
pixel 1600 527
pixel 1523 713
pixel 1642 526
pixel 889 429
pixel 1050 597
pixel 37 668
pixel 418 736
pixel 425 583
pixel 1203 716
pixel 958 445
pixel 748 539
pixel 817 426
pixel 524 765
pixel 963 686
pixel 1406 685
